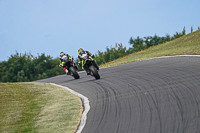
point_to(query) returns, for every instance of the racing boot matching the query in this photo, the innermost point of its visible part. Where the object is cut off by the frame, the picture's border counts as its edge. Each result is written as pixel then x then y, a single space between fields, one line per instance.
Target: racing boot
pixel 67 72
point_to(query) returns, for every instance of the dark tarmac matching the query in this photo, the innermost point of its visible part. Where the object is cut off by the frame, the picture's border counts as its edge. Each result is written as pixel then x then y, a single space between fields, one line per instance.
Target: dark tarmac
pixel 151 96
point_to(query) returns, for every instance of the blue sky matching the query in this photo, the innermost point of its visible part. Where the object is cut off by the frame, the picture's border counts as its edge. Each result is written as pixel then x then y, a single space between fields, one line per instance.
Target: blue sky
pixel 52 26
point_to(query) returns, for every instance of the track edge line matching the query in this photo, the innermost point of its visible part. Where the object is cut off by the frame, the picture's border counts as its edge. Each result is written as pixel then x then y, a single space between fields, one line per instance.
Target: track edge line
pixel 85 104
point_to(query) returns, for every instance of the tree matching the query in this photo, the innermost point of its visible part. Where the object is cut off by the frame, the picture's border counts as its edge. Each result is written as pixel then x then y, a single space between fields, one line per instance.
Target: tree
pixel 183 32
pixel 155 40
pixel 24 67
pixel 119 51
pixel 131 41
pixel 21 76
pixel 147 41
pixel 101 58
pixel 177 35
pixel 168 38
pixel 112 55
pixel 162 39
pixel 137 44
pixel 106 55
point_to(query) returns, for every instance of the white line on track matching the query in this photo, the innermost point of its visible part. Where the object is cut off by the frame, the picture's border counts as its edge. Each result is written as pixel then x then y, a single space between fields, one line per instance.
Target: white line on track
pixel 86 107
pixel 157 58
pixel 172 56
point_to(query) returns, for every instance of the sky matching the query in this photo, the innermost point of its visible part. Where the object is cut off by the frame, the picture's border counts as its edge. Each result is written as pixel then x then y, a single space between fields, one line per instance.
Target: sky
pixel 54 26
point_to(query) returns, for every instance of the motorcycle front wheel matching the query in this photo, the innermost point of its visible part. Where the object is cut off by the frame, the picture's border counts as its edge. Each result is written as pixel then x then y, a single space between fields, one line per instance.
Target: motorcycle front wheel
pixel 94 72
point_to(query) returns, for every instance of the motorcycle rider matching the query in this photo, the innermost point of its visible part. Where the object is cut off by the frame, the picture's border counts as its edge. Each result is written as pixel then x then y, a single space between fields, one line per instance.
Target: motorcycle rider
pixel 81 61
pixel 63 64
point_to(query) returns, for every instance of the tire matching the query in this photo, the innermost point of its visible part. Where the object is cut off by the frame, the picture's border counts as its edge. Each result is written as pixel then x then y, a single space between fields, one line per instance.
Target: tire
pixel 74 73
pixel 94 72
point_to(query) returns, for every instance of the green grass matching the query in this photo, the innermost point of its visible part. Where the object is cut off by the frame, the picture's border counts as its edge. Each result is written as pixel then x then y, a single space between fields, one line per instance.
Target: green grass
pixel 188 44
pixel 38 107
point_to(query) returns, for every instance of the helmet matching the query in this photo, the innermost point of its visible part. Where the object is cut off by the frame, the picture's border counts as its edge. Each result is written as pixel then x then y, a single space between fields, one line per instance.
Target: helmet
pixel 80 50
pixel 61 54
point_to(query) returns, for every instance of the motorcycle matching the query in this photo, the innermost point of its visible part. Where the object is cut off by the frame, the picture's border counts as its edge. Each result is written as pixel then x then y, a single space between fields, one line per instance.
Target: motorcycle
pixel 72 68
pixel 91 65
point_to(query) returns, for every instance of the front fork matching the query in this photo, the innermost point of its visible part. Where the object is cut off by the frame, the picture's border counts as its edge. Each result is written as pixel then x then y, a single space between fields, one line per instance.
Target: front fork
pixel 74 65
pixel 94 64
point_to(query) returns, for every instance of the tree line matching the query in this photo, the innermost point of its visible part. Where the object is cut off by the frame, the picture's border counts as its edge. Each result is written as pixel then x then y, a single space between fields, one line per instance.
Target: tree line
pixel 26 67
pixel 137 44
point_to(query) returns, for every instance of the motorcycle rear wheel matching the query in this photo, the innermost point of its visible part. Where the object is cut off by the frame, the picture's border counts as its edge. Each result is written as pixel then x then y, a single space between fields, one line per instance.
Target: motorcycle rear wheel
pixel 74 73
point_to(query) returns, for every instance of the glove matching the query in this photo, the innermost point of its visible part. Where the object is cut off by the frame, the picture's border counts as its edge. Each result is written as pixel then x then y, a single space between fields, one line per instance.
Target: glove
pixel 60 65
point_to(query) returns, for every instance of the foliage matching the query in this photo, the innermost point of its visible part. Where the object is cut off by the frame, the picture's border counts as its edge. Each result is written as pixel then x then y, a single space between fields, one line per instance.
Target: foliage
pixel 111 54
pixel 191 29
pixel 138 44
pixel 23 68
pixel 185 45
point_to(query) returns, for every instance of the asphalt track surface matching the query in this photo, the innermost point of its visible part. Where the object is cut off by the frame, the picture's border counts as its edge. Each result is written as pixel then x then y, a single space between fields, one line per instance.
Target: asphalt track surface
pixel 151 96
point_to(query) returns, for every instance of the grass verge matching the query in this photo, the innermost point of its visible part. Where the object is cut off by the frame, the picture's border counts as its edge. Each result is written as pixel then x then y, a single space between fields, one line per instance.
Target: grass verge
pixel 188 44
pixel 38 107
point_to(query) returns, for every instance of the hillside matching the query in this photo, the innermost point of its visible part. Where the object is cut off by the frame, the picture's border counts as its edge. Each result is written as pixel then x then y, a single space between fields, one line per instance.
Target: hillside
pixel 185 45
